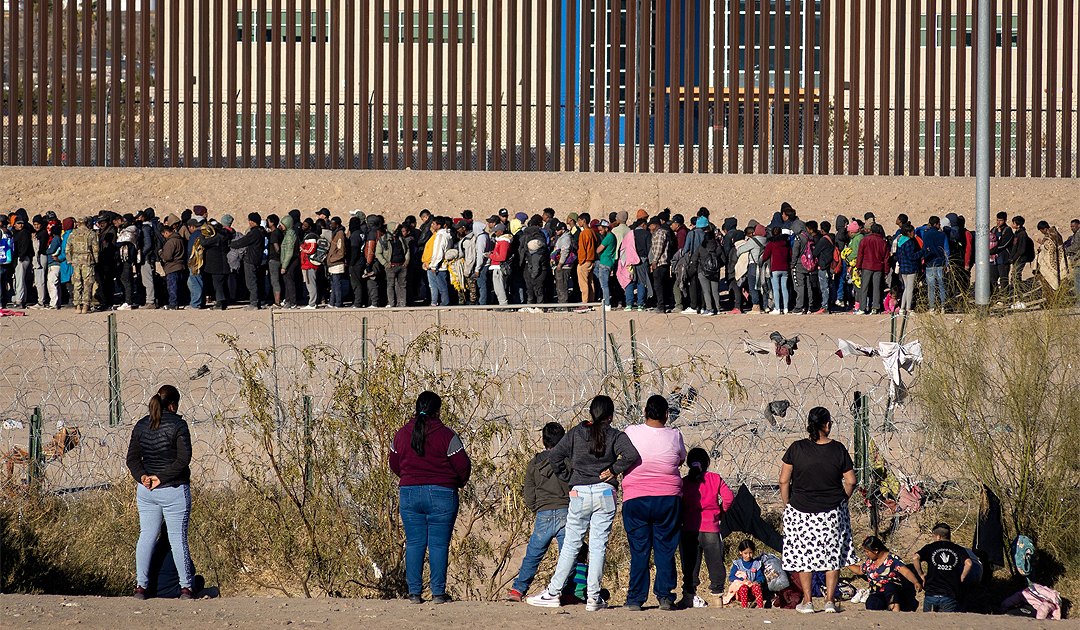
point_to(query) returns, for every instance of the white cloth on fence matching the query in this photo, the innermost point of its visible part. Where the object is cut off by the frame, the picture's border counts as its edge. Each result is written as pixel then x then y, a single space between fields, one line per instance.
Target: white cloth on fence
pixel 755 347
pixel 895 356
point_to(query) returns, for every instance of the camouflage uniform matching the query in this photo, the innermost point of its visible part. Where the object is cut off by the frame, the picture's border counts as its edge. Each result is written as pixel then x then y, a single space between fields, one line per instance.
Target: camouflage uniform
pixel 82 253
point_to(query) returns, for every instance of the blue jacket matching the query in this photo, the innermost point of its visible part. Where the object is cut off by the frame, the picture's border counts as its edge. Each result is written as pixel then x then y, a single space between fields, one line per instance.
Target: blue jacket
pixel 754 570
pixel 909 256
pixel 935 250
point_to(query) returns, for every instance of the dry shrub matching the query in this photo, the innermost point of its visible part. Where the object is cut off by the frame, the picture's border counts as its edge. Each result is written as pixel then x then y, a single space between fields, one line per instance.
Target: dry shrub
pixel 1000 399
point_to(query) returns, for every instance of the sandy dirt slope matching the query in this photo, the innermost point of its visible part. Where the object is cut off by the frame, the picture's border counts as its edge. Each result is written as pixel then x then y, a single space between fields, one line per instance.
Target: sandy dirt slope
pixel 93 613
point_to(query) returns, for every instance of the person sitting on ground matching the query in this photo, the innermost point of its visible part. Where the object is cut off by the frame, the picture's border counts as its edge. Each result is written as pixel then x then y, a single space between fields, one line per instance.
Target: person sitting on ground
pixel 892 583
pixel 947 567
pixel 548 496
pixel 747 576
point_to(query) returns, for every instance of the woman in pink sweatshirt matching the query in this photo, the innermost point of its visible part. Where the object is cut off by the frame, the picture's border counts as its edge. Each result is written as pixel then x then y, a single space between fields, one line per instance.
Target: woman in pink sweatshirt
pixel 705 499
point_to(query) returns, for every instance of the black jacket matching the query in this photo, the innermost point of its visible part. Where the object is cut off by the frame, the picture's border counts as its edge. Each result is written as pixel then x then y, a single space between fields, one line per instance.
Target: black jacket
pixel 23 243
pixel 1004 245
pixel 164 451
pixel 253 244
pixel 823 252
pixel 216 253
pixel 1022 249
pixel 543 489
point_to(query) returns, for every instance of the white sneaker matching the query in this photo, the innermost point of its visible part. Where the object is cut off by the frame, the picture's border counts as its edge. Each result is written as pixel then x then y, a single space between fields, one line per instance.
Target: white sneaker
pixel 545 600
pixel 860 596
pixel 775 311
pixel 124 307
pixel 805 608
pixel 786 311
pixel 688 311
pixel 699 602
pixel 594 605
pixel 831 608
pixel 307 308
pixel 607 307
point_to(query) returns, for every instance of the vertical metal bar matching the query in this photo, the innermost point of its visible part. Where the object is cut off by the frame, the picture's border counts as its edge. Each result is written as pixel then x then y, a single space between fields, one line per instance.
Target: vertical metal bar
pixel 749 62
pixel 244 73
pixel 886 42
pixel 868 90
pixel 158 80
pixel 584 92
pixel 219 28
pixel 290 89
pixel 116 94
pixel 854 98
pixel 615 117
pixel 189 85
pixel 5 140
pixel 277 33
pixel 231 122
pixel 718 57
pixel 929 137
pixel 144 86
pixel 1068 105
pixel 1051 88
pixel 306 42
pixel 116 409
pixel 782 110
pixel 14 93
pixel 56 80
pixel 203 83
pixel 558 102
pixel 821 98
pixel 673 84
pixel 1022 76
pixel 914 105
pixel 644 60
pixel 27 94
pixel 86 105
pixel 511 85
pixel 174 82
pixel 763 92
pixel 1007 53
pixel 423 71
pixel 702 56
pixel 141 79
pixel 598 75
pixel 452 85
pixel 350 74
pixel 394 44
pixel 261 119
pixel 318 39
pixel 731 103
pixel 467 73
pixel 439 71
pixel 687 83
pixel 484 98
pixel 526 85
pixel 982 158
pixel 367 25
pixel 408 144
pixel 840 125
pixel 1037 92
pixel 808 83
pixel 42 101
pixel 35 473
pixel 569 95
pixel 962 150
pixel 899 86
pixel 542 50
pixel 948 35
pixel 797 123
pixel 497 52
pixel 660 81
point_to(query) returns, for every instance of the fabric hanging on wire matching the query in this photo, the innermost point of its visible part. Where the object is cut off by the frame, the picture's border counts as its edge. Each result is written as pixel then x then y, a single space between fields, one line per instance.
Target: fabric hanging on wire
pixel 895 356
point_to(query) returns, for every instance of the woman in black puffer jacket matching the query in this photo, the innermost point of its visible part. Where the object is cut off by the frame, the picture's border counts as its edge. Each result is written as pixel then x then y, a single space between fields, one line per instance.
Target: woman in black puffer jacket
pixel 158 457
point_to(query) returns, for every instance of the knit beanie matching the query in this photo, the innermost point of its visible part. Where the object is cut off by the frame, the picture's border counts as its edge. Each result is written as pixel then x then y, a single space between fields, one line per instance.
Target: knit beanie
pixel 227 220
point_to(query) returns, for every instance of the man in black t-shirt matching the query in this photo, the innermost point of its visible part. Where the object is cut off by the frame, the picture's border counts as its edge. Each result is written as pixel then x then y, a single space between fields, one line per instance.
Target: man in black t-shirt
pixel 947 564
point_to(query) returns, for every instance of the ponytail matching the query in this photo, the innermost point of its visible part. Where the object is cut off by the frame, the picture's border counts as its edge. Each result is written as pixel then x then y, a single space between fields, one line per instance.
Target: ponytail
pixel 816 422
pixel 165 397
pixel 601 411
pixel 698 461
pixel 428 404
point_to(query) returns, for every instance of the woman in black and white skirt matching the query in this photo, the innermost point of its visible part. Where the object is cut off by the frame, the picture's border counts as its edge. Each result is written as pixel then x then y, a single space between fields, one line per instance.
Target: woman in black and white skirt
pixel 816 481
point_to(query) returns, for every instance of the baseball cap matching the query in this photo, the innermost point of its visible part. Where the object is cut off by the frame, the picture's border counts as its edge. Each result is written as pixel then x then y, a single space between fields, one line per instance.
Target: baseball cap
pixel 493 219
pixel 503 212
pixel 604 223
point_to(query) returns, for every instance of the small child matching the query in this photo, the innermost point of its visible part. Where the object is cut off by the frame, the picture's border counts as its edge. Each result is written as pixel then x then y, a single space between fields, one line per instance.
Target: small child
pixel 747 575
pixel 705 499
pixel 892 300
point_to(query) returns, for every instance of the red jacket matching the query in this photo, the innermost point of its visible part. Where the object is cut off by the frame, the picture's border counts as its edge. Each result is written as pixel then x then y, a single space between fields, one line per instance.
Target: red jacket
pixel 444 462
pixel 778 254
pixel 873 253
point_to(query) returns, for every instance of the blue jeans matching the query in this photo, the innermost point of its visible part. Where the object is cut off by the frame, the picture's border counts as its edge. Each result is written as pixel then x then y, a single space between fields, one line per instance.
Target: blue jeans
pixel 173 505
pixel 779 281
pixel 629 293
pixel 172 282
pixel 195 287
pixel 482 285
pixel 939 603
pixel 752 284
pixel 592 509
pixel 550 525
pixel 839 279
pixel 428 514
pixel 338 284
pixel 652 527
pixel 603 274
pixel 825 284
pixel 935 279
pixel 440 290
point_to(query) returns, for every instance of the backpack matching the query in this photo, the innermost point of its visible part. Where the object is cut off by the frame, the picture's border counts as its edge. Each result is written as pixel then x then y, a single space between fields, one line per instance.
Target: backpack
pixel 807 259
pixel 198 251
pixel 1022 551
pixel 322 248
pixel 774 571
pixel 7 249
pixel 710 264
pixel 837 261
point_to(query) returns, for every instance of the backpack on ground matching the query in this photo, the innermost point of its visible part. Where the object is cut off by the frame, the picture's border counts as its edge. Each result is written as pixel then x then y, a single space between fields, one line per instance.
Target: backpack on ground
pixel 774 571
pixel 322 249
pixel 1023 549
pixel 710 264
pixel 807 259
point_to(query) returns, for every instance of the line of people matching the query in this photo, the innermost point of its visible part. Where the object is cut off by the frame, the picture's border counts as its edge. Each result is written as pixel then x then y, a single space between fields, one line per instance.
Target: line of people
pixel 663 262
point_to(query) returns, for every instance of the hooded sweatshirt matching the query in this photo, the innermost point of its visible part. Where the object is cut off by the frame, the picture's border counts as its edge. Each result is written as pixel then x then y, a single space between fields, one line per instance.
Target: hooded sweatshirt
pixel 482 243
pixel 543 489
pixel 573 463
pixel 288 241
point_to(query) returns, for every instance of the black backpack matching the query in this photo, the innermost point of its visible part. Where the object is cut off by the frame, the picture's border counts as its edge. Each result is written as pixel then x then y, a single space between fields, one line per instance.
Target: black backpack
pixel 710 265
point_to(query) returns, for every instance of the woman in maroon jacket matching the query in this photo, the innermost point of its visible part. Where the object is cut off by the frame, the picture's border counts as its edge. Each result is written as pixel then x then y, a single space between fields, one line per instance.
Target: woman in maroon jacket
pixel 431 463
pixel 778 254
pixel 872 262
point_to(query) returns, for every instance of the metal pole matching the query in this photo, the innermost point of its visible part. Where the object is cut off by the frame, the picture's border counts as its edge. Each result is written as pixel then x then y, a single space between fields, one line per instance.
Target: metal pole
pixel 115 407
pixel 982 160
pixel 37 455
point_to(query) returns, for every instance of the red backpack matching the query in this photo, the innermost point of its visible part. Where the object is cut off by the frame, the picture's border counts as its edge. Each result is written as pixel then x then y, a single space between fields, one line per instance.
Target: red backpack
pixel 837 262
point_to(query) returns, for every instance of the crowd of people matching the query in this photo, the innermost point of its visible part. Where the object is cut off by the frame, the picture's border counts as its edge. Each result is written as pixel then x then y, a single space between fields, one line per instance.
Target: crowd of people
pixel 573 487
pixel 666 262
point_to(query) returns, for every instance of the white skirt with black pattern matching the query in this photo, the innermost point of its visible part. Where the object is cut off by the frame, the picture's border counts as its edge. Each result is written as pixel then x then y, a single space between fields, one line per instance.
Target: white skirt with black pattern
pixel 818 541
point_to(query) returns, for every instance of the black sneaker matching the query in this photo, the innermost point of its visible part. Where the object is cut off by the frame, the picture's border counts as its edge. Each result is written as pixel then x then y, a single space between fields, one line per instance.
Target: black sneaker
pixel 633 607
pixel 415 598
pixel 666 603
pixel 441 599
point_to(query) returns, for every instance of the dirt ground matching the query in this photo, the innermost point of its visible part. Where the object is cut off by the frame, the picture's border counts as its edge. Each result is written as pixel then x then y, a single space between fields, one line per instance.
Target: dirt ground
pixel 394 194
pixel 50 611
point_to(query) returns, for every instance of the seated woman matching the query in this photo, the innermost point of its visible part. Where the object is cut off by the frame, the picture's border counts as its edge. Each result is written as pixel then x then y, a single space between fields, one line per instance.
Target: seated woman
pixel 892 583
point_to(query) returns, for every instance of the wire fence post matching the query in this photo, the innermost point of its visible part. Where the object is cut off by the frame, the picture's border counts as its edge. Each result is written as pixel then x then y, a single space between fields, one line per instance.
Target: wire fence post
pixel 603 336
pixel 274 359
pixel 37 454
pixel 635 362
pixel 861 407
pixel 438 339
pixel 309 448
pixel 115 406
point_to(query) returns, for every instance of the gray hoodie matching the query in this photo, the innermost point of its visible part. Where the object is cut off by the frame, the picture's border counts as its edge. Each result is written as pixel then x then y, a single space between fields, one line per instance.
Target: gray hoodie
pixel 573 463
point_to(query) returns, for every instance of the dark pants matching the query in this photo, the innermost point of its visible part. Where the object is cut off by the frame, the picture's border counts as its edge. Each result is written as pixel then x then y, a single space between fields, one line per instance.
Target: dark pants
pixel 356 279
pixel 127 282
pixel 693 289
pixel 251 279
pixel 172 283
pixel 804 291
pixel 999 276
pixel 427 514
pixel 337 289
pixel 661 279
pixel 534 290
pixel 374 295
pixel 872 290
pixel 562 284
pixel 288 281
pixel 397 285
pixel 695 546
pixel 736 293
pixel 652 528
pixel 902 593
pixel 219 289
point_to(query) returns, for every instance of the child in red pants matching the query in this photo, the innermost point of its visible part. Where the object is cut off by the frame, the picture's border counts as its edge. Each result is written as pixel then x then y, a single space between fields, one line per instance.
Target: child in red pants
pixel 748 569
